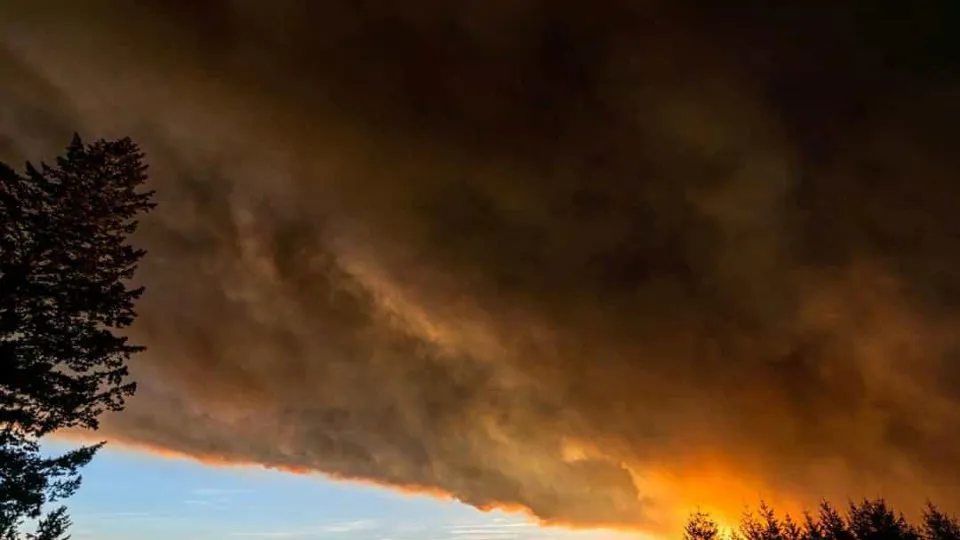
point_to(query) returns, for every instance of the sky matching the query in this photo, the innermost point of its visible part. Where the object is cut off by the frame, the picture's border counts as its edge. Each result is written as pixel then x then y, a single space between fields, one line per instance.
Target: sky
pixel 599 262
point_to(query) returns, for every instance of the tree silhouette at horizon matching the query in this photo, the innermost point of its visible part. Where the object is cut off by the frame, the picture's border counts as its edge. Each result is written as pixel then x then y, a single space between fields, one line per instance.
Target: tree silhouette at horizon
pixel 869 519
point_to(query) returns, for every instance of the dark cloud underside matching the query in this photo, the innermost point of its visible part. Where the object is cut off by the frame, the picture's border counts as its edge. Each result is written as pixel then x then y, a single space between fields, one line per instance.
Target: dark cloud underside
pixel 556 255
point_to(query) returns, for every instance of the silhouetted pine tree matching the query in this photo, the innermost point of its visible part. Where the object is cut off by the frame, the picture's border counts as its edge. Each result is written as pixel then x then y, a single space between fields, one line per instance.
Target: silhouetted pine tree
pixel 701 527
pixel 812 530
pixel 832 524
pixel 749 527
pixel 874 520
pixel 790 530
pixel 939 526
pixel 65 262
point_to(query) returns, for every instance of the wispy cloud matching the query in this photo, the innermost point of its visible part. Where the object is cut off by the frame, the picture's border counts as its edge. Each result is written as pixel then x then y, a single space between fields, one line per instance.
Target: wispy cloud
pixel 220 492
pixel 315 531
pixel 483 531
pixel 349 526
pixel 217 498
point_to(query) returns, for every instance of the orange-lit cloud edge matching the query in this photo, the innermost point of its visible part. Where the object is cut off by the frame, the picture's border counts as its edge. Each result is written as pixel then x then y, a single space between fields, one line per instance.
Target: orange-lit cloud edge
pixel 213 460
pixel 677 494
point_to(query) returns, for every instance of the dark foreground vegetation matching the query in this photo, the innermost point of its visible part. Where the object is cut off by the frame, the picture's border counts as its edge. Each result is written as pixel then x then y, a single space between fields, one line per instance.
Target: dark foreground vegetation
pixel 870 519
pixel 65 299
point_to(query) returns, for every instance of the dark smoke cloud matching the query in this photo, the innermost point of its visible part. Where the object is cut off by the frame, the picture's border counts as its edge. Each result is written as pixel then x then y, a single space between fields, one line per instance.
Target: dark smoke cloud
pixel 600 261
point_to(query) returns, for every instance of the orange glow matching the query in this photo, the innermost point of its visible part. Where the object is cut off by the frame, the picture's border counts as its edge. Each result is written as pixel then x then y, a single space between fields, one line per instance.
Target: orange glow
pixel 712 485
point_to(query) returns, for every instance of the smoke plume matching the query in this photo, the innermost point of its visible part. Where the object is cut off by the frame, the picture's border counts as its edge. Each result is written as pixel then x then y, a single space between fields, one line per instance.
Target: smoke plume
pixel 599 261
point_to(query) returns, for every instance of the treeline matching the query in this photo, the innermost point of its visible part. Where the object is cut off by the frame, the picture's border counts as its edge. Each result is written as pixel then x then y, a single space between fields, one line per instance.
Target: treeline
pixel 871 519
